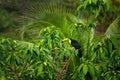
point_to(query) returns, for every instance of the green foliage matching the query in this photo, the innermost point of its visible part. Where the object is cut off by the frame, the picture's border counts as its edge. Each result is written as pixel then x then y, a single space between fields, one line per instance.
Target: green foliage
pixel 97 55
pixel 44 56
pixel 16 61
pixel 89 10
pixel 48 14
pixel 6 20
pixel 38 60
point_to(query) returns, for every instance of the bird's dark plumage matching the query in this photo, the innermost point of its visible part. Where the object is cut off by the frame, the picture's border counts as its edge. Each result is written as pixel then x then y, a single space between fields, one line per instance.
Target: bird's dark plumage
pixel 76 45
pixel 79 53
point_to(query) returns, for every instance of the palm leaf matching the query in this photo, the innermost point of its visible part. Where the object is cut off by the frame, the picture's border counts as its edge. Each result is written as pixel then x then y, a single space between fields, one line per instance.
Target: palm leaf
pixel 113 32
pixel 48 14
pixel 113 29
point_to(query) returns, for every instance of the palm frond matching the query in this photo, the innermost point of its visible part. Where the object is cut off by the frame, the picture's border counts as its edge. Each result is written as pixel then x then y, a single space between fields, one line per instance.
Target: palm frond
pixel 113 29
pixel 47 14
pixel 113 32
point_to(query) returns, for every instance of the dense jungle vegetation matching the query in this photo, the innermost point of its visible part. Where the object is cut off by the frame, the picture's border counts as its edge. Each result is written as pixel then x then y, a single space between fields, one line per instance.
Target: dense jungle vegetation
pixel 35 38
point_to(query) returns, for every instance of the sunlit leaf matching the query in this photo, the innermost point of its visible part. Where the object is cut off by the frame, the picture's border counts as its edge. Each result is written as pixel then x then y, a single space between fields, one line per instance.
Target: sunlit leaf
pixel 80 67
pixel 2 78
pixel 85 69
pixel 40 69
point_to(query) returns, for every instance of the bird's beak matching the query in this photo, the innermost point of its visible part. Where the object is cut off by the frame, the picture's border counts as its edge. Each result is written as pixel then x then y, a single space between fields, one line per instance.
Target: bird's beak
pixel 66 39
pixel 69 41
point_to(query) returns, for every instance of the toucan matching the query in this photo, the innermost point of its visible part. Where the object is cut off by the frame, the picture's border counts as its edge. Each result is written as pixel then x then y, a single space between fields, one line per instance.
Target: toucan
pixel 75 44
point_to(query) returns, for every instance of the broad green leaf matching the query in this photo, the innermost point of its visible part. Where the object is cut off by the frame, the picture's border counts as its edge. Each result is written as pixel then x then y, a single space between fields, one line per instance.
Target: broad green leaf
pixel 94 1
pixel 91 34
pixel 108 3
pixel 9 57
pixel 85 4
pixel 112 54
pixel 114 41
pixel 17 59
pixel 90 1
pixel 92 70
pixel 40 69
pixel 80 67
pixel 85 69
pixel 3 40
pixel 2 77
pixel 115 78
pixel 80 7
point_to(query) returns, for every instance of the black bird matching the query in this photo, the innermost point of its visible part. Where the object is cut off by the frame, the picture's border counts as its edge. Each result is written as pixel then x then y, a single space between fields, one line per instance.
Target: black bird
pixel 76 45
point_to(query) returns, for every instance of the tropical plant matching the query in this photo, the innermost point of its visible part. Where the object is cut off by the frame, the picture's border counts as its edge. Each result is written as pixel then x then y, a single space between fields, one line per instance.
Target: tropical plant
pixel 6 20
pixel 47 56
pixel 44 55
pixel 98 55
pixel 48 14
pixel 41 59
